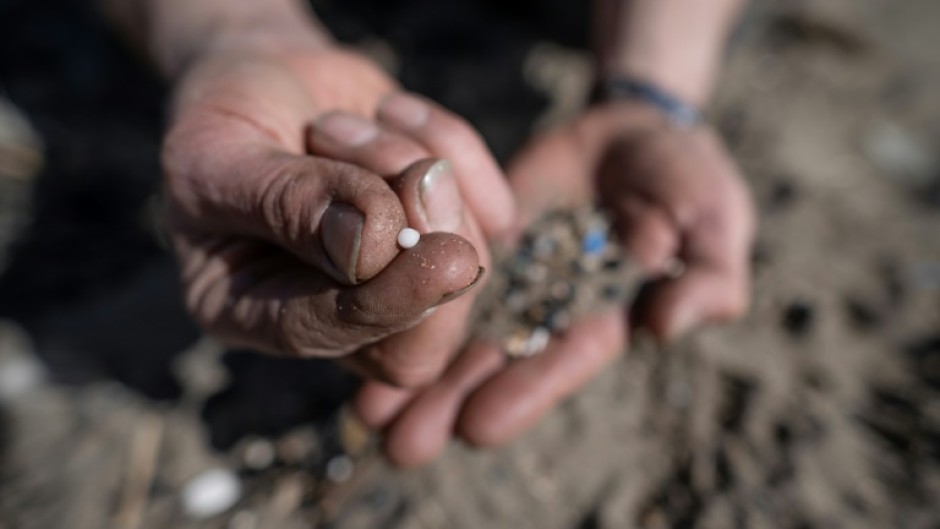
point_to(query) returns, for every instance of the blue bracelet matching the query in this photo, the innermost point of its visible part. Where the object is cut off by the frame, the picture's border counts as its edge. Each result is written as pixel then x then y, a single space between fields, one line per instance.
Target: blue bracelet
pixel 679 112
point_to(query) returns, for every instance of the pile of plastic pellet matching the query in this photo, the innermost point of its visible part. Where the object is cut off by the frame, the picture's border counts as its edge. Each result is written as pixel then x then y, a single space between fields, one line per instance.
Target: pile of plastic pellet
pixel 568 265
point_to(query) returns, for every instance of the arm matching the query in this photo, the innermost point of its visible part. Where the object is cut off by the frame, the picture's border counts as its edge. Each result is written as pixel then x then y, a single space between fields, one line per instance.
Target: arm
pixel 174 33
pixel 290 165
pixel 674 44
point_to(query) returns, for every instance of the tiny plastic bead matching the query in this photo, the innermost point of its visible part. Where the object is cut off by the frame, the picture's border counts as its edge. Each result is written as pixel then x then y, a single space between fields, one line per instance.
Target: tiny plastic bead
pixel 594 242
pixel 408 237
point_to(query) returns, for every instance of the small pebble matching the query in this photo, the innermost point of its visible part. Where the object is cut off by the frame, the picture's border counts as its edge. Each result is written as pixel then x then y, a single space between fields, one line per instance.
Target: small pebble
pixel 543 246
pixel 516 343
pixel 899 154
pixel 562 290
pixel 589 263
pixel 536 273
pixel 258 454
pixel 354 435
pixel 408 238
pixel 536 314
pixel 19 376
pixel 558 321
pixel 378 497
pixel 612 292
pixel 538 341
pixel 340 469
pixel 210 493
pixel 21 371
pixel 613 264
pixel 516 301
pixel 288 494
pixel 297 447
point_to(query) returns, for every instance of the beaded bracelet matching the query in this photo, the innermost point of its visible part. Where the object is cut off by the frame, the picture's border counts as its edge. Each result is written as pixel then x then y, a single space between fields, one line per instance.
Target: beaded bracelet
pixel 678 111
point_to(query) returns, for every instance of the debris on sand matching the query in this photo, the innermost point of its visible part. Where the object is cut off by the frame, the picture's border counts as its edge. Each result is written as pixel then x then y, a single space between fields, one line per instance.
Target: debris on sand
pixel 567 266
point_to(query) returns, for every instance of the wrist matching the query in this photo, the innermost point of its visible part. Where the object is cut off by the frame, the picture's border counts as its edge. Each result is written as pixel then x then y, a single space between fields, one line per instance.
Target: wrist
pixel 690 83
pixel 672 107
pixel 675 45
pixel 181 32
pixel 682 68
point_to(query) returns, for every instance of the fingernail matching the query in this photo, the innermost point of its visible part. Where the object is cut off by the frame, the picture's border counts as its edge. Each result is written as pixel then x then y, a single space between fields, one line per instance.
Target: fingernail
pixel 440 198
pixel 457 293
pixel 346 129
pixel 404 110
pixel 341 234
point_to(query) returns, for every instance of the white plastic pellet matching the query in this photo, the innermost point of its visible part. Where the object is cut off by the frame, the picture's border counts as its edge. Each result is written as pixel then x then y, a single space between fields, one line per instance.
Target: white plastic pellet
pixel 210 493
pixel 340 469
pixel 258 454
pixel 408 238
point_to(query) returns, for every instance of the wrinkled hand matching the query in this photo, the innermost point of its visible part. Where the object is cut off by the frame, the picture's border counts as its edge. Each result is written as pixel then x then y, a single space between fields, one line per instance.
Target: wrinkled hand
pixel 296 254
pixel 675 195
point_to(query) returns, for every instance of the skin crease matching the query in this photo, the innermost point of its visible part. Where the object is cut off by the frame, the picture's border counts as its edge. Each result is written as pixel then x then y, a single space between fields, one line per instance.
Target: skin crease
pixel 251 174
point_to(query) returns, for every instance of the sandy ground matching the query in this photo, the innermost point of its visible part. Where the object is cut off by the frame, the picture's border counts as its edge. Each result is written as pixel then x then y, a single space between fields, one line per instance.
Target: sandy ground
pixel 821 409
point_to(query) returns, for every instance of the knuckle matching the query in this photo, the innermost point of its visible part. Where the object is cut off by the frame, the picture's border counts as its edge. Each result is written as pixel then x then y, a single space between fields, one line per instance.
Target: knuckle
pixel 409 378
pixel 289 199
pixel 278 195
pixel 454 128
pixel 484 433
pixel 393 370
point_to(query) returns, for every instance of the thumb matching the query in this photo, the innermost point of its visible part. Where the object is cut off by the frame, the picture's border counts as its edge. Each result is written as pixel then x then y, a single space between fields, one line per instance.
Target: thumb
pixel 226 177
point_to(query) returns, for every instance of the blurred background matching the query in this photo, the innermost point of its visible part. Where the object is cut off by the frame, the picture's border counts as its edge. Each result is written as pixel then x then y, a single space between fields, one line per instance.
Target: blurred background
pixel 820 410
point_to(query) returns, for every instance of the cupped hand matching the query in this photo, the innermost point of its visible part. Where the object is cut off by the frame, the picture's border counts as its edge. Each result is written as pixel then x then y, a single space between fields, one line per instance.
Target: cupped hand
pixel 294 253
pixel 676 196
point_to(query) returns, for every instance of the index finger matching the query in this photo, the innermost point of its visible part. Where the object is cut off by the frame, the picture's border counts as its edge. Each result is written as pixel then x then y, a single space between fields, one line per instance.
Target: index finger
pixel 481 181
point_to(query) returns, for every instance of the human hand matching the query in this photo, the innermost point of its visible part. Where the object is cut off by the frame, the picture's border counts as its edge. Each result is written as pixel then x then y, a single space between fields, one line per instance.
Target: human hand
pixel 296 254
pixel 675 195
